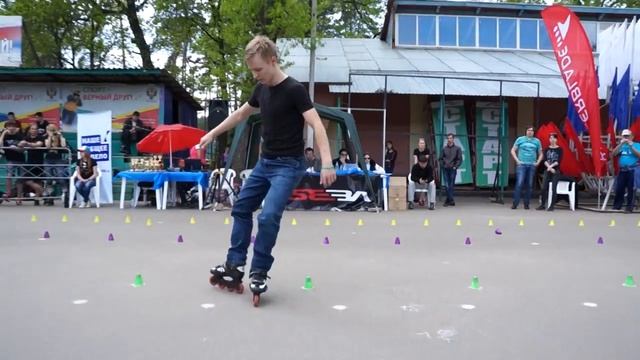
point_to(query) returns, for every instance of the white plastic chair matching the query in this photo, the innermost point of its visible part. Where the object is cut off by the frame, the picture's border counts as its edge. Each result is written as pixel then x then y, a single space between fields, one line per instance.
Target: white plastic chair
pixel 563 188
pixel 224 184
pixel 95 191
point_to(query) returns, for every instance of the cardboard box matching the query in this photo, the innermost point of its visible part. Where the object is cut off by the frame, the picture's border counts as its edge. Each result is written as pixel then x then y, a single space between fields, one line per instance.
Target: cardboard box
pixel 398 203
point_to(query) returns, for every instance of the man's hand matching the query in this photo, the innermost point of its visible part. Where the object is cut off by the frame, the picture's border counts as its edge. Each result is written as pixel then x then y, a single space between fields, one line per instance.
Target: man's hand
pixel 327 177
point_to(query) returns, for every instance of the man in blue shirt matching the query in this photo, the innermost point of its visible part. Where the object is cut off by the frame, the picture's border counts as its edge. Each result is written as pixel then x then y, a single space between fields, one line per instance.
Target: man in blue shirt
pixel 527 152
pixel 629 153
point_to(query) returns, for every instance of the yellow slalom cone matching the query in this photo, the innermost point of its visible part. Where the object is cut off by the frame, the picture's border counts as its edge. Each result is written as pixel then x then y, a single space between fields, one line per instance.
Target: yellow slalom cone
pixel 294 222
pixel 361 223
pixel 192 221
pixel 521 223
pixel 327 222
pixel 96 219
pixel 490 222
pixel 34 218
pixel 394 222
pixel 552 222
pixel 149 222
pixel 612 223
pixel 227 221
pixel 458 222
pixel 65 218
pixel 581 223
pixel 127 219
pixel 426 222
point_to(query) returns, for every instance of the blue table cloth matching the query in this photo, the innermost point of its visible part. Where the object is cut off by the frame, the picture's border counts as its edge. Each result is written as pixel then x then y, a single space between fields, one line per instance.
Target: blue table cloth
pixel 184 176
pixel 159 177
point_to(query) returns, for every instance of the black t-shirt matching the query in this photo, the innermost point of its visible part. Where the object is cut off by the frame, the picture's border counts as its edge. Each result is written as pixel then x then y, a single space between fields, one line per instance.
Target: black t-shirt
pixel 35 156
pixel 424 152
pixel 552 155
pixel 13 140
pixel 281 109
pixel 42 127
pixel 85 167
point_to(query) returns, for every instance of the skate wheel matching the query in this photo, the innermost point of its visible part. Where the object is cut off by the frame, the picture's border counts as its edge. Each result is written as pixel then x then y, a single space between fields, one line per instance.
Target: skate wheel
pixel 230 289
pixel 256 300
pixel 240 289
pixel 213 281
pixel 221 285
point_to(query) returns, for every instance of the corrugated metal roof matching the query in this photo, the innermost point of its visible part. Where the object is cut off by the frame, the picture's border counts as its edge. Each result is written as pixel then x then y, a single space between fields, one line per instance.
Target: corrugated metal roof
pixel 336 58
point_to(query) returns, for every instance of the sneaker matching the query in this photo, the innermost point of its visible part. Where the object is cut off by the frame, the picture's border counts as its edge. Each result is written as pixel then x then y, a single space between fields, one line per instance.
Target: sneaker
pixel 628 210
pixel 82 205
pixel 446 203
pixel 526 207
pixel 410 205
pixel 432 206
pixel 541 207
pixel 88 204
pixel 452 203
pixel 514 206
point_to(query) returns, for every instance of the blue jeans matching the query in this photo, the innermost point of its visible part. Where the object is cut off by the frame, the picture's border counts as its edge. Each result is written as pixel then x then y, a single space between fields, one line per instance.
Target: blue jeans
pixel 450 182
pixel 624 183
pixel 84 188
pixel 272 180
pixel 524 176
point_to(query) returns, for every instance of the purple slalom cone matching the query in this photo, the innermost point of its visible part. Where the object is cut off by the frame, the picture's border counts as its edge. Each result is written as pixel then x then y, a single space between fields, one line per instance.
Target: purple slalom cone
pixel 397 241
pixel 326 240
pixel 467 241
pixel 46 235
pixel 110 237
pixel 180 239
pixel 498 232
pixel 600 240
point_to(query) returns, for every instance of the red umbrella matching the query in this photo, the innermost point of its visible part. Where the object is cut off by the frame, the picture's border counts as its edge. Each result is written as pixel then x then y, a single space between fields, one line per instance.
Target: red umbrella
pixel 166 139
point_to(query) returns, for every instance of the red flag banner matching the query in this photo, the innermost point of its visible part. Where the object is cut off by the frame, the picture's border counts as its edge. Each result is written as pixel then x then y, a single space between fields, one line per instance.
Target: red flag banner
pixel 575 59
pixel 583 158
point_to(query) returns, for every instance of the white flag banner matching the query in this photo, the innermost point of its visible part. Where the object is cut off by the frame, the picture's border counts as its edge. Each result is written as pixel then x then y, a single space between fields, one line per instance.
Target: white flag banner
pixel 94 132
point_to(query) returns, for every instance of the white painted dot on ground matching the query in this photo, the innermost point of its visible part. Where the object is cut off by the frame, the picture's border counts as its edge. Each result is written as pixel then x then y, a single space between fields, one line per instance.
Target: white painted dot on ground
pixel 590 304
pixel 208 306
pixel 353 233
pixel 339 307
pixel 80 302
pixel 468 306
pixel 445 263
pixel 535 244
pixel 412 307
pixel 159 222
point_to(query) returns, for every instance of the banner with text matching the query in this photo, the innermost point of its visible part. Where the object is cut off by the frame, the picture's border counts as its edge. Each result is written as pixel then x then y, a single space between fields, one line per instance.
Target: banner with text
pixel 454 122
pixel 94 132
pixel 10 41
pixel 61 104
pixel 487 144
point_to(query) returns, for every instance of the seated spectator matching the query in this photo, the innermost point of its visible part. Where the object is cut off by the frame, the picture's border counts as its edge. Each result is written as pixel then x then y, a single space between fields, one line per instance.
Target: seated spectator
pixel 133 131
pixel 370 165
pixel 14 154
pixel 342 160
pixel 35 161
pixel 87 173
pixel 312 163
pixel 41 123
pixel 422 176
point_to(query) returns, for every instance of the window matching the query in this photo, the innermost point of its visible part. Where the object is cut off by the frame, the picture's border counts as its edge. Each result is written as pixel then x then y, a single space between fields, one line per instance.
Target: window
pixel 467 31
pixel 507 33
pixel 528 34
pixel 488 32
pixel 426 30
pixel 406 29
pixel 447 31
pixel 545 43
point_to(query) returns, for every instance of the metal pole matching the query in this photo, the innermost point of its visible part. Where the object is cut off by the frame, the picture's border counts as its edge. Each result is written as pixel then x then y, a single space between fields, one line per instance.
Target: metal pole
pixel 384 119
pixel 437 146
pixel 312 65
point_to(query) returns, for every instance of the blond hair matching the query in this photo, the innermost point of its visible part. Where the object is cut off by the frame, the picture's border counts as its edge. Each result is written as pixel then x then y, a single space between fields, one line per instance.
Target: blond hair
pixel 260 45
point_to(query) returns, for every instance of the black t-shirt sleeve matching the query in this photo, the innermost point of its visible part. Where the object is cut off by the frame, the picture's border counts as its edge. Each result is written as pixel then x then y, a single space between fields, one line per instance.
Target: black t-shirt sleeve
pixel 254 99
pixel 559 156
pixel 416 152
pixel 301 98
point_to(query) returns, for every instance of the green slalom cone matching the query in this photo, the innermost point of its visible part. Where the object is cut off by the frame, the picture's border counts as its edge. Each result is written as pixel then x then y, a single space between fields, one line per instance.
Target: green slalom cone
pixel 629 282
pixel 475 283
pixel 138 282
pixel 308 284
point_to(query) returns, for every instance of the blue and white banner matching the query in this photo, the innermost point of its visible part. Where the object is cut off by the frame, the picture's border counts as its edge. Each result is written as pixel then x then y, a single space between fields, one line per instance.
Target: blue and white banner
pixel 94 132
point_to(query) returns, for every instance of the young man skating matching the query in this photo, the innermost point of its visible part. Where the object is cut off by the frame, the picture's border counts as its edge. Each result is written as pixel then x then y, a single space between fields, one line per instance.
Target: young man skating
pixel 285 108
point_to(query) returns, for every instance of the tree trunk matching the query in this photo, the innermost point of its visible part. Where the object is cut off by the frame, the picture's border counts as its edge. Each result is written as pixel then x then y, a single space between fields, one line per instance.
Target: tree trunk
pixel 32 47
pixel 138 34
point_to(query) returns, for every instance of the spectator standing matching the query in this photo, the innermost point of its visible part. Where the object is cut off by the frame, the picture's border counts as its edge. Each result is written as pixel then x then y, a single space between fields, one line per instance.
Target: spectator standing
pixel 629 155
pixel 527 152
pixel 450 160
